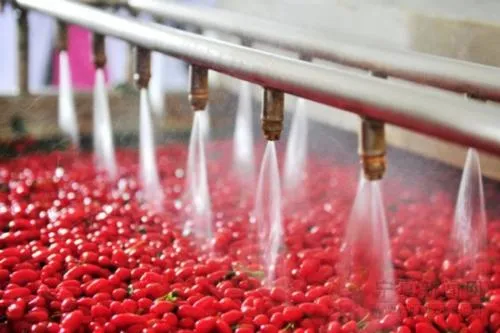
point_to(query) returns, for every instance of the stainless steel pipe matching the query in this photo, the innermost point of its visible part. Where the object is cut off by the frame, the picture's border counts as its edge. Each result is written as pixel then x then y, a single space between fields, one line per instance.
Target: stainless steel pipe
pixel 441 114
pixel 459 76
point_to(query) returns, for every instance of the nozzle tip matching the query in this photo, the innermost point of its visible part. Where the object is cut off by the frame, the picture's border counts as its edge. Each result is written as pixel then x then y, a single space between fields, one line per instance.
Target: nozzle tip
pixel 198 92
pixel 272 129
pixel 198 100
pixel 373 167
pixel 272 114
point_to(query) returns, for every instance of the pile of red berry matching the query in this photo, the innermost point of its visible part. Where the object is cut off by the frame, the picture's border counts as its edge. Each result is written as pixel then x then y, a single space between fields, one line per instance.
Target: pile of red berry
pixel 81 254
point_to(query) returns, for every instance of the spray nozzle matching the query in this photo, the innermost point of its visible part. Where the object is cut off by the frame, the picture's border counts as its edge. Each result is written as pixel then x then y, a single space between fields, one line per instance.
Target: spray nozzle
pixel 99 50
pixel 62 36
pixel 272 114
pixel 372 148
pixel 198 93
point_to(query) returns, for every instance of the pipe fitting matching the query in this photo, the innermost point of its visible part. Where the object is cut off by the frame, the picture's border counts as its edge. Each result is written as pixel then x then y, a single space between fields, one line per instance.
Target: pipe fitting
pixel 23 49
pixel 142 67
pixel 62 36
pixel 198 93
pixel 99 50
pixel 272 113
pixel 372 148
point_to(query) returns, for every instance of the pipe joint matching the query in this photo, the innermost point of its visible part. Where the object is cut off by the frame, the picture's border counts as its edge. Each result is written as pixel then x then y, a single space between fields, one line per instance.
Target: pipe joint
pixel 272 113
pixel 198 93
pixel 372 148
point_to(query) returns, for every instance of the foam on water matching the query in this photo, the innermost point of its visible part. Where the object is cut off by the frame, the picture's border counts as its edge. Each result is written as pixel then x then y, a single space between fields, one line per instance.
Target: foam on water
pixel 104 149
pixel 147 155
pixel 67 117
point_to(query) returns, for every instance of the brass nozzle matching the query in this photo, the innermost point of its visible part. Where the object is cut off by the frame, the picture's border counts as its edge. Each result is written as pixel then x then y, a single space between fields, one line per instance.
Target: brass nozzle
pixel 198 93
pixel 62 36
pixel 372 149
pixel 142 67
pixel 2 5
pixel 23 44
pixel 99 50
pixel 272 113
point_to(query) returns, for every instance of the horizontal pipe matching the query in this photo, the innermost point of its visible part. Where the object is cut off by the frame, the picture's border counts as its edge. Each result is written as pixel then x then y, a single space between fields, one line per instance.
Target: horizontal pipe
pixel 440 114
pixel 460 76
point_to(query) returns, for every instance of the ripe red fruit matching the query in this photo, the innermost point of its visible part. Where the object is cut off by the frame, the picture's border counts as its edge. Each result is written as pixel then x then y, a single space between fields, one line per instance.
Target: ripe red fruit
pixel 16 310
pixel 232 317
pixel 453 321
pixel 77 248
pixel 464 308
pixel 390 320
pixel 72 321
pixel 222 326
pixel 123 320
pixel 292 314
pixel 205 325
pixel 403 329
pixel 425 328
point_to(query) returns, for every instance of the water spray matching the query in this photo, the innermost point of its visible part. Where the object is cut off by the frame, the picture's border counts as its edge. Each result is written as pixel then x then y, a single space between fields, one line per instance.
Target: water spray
pixel 272 114
pixel 268 199
pixel 103 132
pixel 198 194
pixel 67 118
pixel 372 148
pixel 148 169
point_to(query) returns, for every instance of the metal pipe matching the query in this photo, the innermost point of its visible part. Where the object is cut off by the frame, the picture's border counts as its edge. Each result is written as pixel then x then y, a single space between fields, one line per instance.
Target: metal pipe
pixel 99 50
pixel 23 49
pixel 445 73
pixel 273 108
pixel 198 92
pixel 429 111
pixel 142 67
pixel 372 149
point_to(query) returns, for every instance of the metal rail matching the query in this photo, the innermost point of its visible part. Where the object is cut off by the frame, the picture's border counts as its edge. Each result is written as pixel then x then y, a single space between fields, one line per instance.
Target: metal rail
pixel 441 114
pixel 460 76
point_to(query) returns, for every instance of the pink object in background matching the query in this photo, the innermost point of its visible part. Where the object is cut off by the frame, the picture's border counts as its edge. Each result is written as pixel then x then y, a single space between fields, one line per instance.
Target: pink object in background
pixel 80 59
